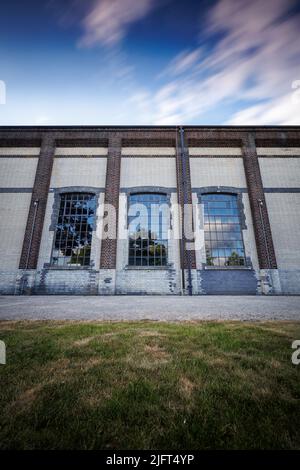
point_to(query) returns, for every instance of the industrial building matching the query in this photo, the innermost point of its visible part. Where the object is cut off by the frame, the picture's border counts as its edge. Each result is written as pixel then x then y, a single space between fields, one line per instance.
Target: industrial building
pixel 190 210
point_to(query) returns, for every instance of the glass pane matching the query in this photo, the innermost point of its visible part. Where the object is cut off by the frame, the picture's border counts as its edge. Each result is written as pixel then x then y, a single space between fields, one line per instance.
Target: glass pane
pixel 222 230
pixel 73 234
pixel 151 228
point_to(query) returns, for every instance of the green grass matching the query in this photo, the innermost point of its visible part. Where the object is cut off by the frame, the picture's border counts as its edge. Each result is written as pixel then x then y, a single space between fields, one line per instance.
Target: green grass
pixel 149 385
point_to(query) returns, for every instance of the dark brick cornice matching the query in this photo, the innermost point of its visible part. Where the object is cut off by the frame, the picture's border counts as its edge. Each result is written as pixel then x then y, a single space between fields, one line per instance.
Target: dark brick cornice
pixel 150 136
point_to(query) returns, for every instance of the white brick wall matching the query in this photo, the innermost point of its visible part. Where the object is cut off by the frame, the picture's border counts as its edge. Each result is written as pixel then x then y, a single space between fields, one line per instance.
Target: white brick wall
pixel 217 172
pixel 97 234
pixel 148 151
pixel 148 172
pixel 248 234
pixel 47 236
pixel 284 209
pixel 78 172
pixel 199 232
pixel 280 172
pixel 17 172
pixel 13 215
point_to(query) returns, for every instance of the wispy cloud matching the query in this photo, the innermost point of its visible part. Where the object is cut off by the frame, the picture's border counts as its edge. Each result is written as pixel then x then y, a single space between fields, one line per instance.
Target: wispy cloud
pixel 108 21
pixel 250 68
pixel 283 110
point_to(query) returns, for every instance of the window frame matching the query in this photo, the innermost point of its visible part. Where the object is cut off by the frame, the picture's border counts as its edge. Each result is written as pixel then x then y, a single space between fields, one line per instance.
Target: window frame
pixel 165 192
pixel 237 192
pixel 58 193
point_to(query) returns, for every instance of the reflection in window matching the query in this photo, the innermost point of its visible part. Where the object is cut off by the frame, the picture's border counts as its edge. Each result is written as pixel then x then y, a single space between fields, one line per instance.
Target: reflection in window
pixel 73 234
pixel 148 220
pixel 222 230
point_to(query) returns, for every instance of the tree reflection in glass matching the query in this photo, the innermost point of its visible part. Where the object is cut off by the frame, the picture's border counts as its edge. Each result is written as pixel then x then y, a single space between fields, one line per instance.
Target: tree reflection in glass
pixel 73 234
pixel 222 230
pixel 148 221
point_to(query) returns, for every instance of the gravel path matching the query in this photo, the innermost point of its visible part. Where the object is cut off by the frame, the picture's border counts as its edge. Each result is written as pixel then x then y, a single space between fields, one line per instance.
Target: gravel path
pixel 166 308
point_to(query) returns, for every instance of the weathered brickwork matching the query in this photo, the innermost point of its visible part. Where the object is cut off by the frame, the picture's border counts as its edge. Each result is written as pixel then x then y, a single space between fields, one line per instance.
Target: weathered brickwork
pixel 112 186
pixel 188 258
pixel 35 221
pixel 70 281
pixel 233 281
pixel 263 234
pixel 261 165
pixel 148 281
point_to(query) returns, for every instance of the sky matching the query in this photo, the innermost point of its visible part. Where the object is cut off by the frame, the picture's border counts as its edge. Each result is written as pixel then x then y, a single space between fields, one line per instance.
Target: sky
pixel 150 62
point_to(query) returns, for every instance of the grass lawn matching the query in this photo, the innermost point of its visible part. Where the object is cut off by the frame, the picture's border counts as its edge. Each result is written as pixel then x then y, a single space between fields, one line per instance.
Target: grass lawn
pixel 149 385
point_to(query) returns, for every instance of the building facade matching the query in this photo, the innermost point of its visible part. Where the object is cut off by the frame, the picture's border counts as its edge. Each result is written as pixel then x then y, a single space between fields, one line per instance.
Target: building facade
pixel 150 210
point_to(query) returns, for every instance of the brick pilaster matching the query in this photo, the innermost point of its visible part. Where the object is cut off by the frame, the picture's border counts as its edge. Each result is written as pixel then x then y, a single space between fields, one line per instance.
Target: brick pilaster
pixel 37 209
pixel 261 223
pixel 112 188
pixel 183 173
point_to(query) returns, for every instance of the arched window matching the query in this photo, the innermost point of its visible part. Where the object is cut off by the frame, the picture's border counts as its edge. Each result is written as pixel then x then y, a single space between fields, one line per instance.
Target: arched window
pixel 73 232
pixel 222 230
pixel 148 223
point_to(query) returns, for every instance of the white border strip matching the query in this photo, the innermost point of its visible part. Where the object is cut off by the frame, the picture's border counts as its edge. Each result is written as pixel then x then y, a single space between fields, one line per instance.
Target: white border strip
pixel 284 151
pixel 59 151
pixel 219 151
pixel 148 151
pixel 19 151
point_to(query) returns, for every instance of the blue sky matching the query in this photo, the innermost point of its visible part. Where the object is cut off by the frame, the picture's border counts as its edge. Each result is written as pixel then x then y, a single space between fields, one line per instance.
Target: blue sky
pixel 100 62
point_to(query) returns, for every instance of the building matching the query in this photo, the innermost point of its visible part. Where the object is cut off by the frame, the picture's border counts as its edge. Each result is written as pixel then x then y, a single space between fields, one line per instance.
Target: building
pixel 228 202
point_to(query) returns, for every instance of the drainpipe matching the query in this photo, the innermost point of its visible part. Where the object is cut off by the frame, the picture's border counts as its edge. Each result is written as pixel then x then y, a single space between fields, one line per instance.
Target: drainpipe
pixel 185 201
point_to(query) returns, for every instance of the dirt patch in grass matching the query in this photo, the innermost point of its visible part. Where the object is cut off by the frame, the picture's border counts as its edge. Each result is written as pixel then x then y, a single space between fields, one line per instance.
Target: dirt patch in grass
pixel 25 400
pixel 186 387
pixel 89 339
pixel 156 351
pixel 84 341
pixel 151 333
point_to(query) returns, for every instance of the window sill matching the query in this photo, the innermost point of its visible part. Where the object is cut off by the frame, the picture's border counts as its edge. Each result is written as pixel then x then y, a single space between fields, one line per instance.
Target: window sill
pixel 147 268
pixel 228 268
pixel 67 268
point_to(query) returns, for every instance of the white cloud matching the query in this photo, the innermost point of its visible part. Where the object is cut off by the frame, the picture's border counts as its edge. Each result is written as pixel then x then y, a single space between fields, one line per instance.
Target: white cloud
pixel 183 62
pixel 283 110
pixel 108 20
pixel 255 59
